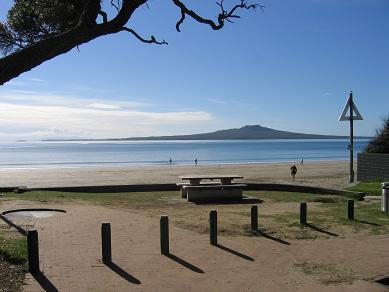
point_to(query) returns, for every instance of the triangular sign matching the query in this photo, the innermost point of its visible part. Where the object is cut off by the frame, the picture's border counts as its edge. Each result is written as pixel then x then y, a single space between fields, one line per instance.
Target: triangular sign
pixel 345 114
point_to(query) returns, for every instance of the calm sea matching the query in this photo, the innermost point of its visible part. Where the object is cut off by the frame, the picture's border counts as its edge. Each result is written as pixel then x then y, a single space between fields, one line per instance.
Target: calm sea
pixel 136 153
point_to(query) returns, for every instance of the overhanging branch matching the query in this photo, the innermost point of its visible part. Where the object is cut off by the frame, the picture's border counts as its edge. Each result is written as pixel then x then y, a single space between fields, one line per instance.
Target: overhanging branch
pixel 222 17
pixel 152 39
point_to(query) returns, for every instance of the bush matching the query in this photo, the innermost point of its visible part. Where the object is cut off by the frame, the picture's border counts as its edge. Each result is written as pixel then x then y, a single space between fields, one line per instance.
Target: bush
pixel 380 143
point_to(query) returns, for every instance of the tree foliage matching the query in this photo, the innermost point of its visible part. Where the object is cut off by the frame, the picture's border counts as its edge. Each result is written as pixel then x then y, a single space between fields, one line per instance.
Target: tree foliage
pixel 380 143
pixel 30 21
pixel 39 30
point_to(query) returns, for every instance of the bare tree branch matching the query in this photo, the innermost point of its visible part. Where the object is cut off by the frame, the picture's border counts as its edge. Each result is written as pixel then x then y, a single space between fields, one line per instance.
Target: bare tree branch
pixel 104 16
pixel 115 5
pixel 222 17
pixel 152 39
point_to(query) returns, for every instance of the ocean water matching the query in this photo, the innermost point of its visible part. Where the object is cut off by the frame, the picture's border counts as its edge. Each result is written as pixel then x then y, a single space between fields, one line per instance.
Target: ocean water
pixel 136 153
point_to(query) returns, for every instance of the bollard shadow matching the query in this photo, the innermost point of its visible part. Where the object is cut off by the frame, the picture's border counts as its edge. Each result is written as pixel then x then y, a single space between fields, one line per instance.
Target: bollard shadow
pixel 44 282
pixel 122 273
pixel 184 263
pixel 268 236
pixel 319 229
pixel 366 222
pixel 234 252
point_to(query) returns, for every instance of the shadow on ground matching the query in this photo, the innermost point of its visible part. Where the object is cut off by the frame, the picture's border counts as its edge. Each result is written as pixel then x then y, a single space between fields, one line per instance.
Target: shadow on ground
pixel 366 222
pixel 268 236
pixel 383 281
pixel 318 229
pixel 44 282
pixel 185 263
pixel 122 273
pixel 234 252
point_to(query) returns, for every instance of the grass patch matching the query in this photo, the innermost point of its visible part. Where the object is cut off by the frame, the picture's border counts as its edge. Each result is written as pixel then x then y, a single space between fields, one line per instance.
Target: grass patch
pixel 275 196
pixel 13 246
pixel 278 212
pixel 127 198
pixel 370 188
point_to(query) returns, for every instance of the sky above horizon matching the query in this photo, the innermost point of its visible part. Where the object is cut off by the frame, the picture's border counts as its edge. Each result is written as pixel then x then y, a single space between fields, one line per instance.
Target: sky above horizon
pixel 290 67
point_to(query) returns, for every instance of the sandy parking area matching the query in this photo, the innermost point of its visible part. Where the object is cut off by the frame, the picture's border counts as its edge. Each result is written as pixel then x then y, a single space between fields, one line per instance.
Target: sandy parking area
pixel 70 257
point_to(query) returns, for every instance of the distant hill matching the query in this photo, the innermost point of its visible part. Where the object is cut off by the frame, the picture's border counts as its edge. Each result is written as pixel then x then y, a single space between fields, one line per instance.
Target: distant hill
pixel 246 132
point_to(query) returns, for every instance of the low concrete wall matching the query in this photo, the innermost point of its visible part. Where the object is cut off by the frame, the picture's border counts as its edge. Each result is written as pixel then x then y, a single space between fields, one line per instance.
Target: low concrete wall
pixel 373 167
pixel 174 187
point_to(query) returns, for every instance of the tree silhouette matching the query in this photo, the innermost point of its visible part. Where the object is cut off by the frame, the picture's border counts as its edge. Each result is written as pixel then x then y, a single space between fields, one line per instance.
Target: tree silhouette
pixel 39 30
pixel 380 143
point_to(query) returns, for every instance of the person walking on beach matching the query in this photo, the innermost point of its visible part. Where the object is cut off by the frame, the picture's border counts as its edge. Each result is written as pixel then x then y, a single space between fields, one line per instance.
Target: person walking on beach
pixel 293 171
pixel 196 161
pixel 302 160
pixel 170 161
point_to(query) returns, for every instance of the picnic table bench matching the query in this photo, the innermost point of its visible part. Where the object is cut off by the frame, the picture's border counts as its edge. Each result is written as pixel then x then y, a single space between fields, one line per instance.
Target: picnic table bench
pixel 203 187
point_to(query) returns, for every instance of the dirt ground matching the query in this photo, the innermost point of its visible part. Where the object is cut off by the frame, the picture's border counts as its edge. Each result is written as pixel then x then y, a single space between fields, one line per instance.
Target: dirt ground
pixel 70 253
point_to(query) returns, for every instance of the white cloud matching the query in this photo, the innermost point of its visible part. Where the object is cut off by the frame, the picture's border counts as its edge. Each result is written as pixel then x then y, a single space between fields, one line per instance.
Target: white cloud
pixel 38 80
pixel 103 106
pixel 27 115
pixel 217 101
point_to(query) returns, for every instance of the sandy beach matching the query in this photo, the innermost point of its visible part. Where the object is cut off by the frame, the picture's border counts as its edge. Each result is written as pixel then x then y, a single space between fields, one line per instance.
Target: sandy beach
pixel 329 174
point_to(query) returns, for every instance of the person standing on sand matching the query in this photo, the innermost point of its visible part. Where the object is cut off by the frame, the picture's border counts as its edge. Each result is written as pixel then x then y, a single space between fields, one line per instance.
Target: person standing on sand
pixel 293 171
pixel 302 160
pixel 170 161
pixel 196 161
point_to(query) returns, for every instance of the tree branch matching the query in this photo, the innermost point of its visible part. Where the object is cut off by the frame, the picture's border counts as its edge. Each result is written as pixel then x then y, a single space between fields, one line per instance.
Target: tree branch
pixel 222 17
pixel 152 39
pixel 104 16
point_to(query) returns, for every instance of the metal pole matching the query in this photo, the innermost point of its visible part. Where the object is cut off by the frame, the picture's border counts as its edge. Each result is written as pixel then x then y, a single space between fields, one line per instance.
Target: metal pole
pixel 351 138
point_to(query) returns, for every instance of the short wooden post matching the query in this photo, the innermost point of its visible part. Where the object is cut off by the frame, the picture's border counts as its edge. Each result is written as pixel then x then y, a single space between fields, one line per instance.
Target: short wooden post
pixel 254 218
pixel 106 243
pixel 303 213
pixel 164 232
pixel 350 209
pixel 213 227
pixel 33 251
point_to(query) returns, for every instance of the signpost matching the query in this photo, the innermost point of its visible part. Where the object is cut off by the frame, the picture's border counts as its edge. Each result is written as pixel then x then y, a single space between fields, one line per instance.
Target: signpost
pixel 354 114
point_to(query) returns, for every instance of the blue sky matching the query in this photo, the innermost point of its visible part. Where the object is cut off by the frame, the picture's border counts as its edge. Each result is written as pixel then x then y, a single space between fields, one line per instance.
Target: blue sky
pixel 290 67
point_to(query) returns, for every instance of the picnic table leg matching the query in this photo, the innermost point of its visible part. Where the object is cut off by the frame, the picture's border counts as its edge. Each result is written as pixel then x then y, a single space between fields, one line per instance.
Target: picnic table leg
pixel 194 182
pixel 226 181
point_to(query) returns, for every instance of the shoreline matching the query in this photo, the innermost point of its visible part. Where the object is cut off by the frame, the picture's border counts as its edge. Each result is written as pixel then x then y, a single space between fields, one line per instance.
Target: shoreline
pixel 156 165
pixel 328 174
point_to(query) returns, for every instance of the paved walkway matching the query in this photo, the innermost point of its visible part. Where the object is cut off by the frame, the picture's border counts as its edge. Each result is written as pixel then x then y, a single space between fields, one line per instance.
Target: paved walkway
pixel 70 252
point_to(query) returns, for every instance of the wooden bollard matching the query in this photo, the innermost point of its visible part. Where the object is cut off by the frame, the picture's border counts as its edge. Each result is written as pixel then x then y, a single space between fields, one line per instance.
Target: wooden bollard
pixel 33 251
pixel 106 243
pixel 303 213
pixel 164 232
pixel 350 209
pixel 254 218
pixel 213 227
